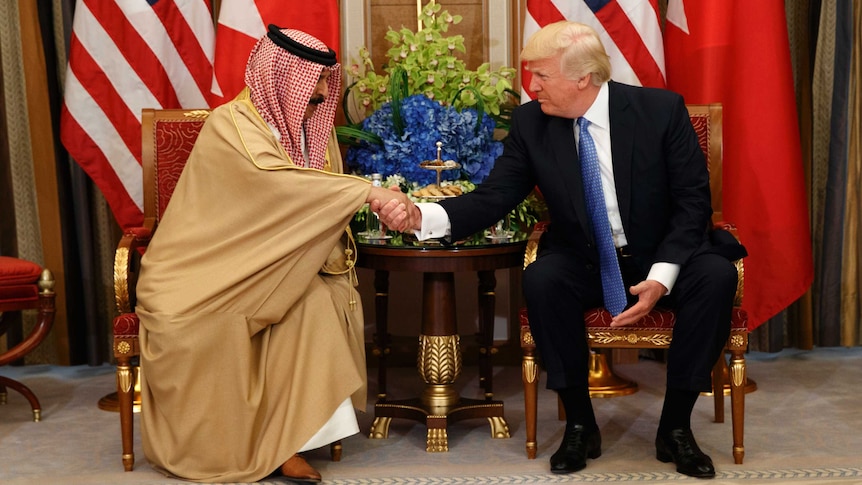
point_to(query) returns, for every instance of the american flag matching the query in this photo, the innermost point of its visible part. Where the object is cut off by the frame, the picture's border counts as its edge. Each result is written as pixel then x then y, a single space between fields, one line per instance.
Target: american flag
pixel 125 55
pixel 630 31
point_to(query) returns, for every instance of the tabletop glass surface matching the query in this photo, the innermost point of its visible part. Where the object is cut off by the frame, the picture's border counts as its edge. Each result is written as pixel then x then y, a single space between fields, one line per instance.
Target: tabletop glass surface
pixel 482 239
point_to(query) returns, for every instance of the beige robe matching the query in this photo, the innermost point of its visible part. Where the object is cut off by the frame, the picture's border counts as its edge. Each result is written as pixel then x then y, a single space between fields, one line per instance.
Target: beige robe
pixel 248 346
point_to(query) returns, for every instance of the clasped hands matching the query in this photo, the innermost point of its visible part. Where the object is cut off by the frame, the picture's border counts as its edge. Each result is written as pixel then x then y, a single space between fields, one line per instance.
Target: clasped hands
pixel 395 209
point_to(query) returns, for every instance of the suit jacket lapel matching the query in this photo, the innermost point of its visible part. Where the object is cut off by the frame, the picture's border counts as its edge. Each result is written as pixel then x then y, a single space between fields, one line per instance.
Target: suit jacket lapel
pixel 623 127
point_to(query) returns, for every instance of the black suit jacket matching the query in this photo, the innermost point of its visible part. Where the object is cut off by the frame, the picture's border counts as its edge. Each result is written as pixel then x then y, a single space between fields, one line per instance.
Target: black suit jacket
pixel 660 173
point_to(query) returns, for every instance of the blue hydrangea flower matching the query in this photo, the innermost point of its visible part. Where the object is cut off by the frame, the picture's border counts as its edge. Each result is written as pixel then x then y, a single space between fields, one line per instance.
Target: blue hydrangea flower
pixel 425 123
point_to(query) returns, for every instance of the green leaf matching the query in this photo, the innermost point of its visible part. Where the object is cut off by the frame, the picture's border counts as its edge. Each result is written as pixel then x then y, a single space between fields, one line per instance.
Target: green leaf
pixel 344 105
pixel 352 135
pixel 398 85
pixel 392 36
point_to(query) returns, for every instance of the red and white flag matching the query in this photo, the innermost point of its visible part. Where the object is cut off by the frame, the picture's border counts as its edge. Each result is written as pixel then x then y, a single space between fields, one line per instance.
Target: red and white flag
pixel 126 55
pixel 736 52
pixel 241 23
pixel 630 31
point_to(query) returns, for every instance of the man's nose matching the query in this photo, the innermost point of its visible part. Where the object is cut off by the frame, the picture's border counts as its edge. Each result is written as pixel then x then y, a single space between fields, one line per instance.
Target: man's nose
pixel 535 86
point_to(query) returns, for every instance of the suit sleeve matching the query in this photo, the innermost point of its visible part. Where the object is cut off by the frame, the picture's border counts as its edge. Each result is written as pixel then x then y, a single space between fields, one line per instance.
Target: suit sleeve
pixel 509 182
pixel 688 179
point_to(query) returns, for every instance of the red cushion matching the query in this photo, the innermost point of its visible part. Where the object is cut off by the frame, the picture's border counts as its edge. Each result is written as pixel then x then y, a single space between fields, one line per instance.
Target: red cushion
pixel 126 325
pixel 15 271
pixel 656 319
pixel 18 297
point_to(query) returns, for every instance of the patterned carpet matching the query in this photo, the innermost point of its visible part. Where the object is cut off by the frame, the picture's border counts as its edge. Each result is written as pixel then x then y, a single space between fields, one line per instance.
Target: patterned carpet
pixel 802 427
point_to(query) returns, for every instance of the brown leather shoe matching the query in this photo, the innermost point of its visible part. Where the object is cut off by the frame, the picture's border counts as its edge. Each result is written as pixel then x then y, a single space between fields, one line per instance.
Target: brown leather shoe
pixel 297 469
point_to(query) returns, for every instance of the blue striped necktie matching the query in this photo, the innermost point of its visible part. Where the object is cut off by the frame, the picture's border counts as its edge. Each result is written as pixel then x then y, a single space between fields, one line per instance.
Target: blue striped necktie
pixel 612 281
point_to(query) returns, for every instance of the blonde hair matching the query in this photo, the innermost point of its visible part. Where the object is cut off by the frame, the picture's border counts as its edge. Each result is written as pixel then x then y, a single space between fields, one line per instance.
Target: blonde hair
pixel 580 49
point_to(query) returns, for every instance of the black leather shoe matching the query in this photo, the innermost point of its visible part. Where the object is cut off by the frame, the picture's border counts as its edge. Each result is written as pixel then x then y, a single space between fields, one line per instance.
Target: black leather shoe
pixel 578 445
pixel 678 446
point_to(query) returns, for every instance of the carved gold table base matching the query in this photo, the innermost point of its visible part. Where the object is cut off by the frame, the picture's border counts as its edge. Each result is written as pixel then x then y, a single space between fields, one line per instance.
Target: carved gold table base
pixel 439 364
pixel 439 355
pixel 437 439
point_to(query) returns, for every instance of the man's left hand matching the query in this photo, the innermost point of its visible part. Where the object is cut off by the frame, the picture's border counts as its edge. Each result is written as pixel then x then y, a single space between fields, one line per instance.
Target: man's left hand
pixel 648 292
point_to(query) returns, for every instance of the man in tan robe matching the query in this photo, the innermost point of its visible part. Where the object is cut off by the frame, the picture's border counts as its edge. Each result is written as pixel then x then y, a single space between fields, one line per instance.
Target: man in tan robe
pixel 252 343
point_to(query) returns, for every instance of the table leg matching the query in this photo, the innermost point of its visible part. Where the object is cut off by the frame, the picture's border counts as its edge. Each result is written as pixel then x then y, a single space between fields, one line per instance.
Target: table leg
pixel 382 339
pixel 439 359
pixel 439 365
pixel 487 300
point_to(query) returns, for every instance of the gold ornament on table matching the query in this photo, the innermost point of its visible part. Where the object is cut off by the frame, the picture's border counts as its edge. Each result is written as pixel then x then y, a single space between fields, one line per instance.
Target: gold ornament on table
pixel 438 164
pixel 437 190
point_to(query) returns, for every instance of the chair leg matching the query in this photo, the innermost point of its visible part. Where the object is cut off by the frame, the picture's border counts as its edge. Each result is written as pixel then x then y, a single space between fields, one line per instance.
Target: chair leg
pixel 718 371
pixel 530 377
pixel 26 392
pixel 737 402
pixel 335 450
pixel 125 398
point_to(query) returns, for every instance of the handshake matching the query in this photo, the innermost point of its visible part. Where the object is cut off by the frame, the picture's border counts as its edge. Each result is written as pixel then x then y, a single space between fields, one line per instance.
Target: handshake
pixel 395 209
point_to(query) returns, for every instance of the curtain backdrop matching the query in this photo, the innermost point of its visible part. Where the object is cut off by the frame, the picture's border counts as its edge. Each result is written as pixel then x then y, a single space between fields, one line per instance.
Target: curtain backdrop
pixel 55 218
pixel 834 172
pixel 64 223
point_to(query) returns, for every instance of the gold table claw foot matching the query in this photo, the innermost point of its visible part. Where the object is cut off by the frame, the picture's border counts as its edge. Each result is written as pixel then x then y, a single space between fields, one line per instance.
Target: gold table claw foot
pixel 499 428
pixel 437 440
pixel 380 428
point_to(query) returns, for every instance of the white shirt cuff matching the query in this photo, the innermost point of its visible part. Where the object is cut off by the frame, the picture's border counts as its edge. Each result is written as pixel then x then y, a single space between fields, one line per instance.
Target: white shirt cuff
pixel 664 273
pixel 435 221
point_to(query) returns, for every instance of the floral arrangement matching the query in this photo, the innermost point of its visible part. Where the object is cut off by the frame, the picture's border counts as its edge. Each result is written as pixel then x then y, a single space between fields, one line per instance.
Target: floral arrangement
pixel 426 95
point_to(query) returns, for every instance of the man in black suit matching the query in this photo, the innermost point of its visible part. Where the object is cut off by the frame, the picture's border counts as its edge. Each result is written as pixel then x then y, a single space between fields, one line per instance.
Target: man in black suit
pixel 655 186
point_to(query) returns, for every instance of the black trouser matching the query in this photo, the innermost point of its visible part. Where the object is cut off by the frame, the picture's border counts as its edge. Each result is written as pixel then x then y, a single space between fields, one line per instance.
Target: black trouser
pixel 559 286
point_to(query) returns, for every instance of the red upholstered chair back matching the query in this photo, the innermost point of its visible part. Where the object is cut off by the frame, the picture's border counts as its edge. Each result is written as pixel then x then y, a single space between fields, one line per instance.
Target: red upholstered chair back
pixel 167 139
pixel 706 119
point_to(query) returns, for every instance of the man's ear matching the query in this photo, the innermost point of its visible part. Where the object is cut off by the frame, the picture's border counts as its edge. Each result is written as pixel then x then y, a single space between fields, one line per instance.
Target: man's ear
pixel 584 81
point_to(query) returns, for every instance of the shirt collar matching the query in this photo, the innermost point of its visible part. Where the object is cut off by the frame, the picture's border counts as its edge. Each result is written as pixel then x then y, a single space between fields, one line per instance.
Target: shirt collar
pixel 599 113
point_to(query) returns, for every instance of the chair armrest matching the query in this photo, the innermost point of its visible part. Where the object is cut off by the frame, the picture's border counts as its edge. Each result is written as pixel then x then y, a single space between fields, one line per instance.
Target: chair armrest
pixel 740 268
pixel 126 264
pixel 43 324
pixel 533 242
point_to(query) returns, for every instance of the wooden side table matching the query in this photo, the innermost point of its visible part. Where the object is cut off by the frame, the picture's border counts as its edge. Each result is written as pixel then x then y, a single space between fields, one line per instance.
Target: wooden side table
pixel 439 359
